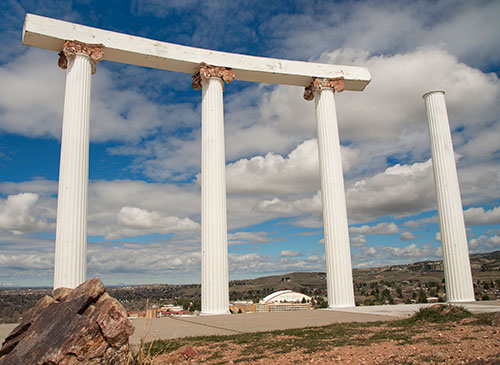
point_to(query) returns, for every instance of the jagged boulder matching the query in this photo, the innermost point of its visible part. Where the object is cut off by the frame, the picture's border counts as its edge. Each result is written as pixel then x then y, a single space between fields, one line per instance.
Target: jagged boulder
pixel 84 325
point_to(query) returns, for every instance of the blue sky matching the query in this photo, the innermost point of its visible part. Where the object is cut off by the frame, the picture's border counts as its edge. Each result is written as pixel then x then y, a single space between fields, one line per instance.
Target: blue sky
pixel 144 195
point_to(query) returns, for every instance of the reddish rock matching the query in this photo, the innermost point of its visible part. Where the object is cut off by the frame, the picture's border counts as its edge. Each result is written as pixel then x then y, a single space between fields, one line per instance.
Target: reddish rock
pixel 84 325
pixel 182 354
pixel 450 309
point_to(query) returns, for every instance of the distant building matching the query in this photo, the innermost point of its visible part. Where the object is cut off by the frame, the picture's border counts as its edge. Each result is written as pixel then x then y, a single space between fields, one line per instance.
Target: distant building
pixel 435 266
pixel 476 267
pixel 286 296
pixel 136 314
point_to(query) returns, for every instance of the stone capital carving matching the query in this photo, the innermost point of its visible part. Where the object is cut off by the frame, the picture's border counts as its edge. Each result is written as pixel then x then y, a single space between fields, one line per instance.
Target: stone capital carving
pixel 335 84
pixel 71 48
pixel 208 71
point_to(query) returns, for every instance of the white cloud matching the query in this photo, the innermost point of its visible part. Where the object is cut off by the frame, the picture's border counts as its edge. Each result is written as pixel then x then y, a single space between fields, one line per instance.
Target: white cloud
pixel 412 251
pixel 380 228
pixel 247 238
pixel 241 265
pixel 415 223
pixel 290 253
pixel 19 214
pixel 407 236
pixel 297 207
pixel 31 103
pixel 437 237
pixel 400 190
pixel 467 29
pixel 135 221
pixel 474 216
pixel 357 240
pixel 296 173
pixel 484 244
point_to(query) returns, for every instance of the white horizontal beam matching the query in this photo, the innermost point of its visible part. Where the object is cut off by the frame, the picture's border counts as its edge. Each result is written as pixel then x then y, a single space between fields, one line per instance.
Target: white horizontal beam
pixel 50 34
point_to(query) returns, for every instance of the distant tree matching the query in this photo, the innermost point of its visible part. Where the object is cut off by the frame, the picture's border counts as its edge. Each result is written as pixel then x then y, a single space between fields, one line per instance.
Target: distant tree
pixel 400 292
pixel 485 297
pixel 422 297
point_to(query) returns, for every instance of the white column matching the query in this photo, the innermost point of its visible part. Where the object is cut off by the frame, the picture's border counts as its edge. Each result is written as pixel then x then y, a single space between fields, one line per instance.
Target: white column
pixel 71 232
pixel 70 264
pixel 336 233
pixel 457 270
pixel 214 264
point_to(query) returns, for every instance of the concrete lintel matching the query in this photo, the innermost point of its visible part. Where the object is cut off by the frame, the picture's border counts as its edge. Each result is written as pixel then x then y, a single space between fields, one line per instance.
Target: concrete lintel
pixel 50 34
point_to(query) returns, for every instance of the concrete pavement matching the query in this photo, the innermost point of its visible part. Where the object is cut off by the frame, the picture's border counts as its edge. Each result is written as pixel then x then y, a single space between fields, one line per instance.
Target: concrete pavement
pixel 177 327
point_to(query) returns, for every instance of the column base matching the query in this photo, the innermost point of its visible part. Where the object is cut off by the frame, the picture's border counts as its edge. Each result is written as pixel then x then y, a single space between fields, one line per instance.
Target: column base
pixel 214 313
pixel 460 301
pixel 341 306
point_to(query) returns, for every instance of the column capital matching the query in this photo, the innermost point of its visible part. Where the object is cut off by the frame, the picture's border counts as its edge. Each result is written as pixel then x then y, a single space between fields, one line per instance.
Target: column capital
pixel 317 84
pixel 71 48
pixel 208 71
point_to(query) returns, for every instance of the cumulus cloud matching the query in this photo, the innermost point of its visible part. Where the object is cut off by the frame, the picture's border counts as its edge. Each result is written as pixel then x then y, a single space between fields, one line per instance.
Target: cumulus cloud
pixel 136 221
pixel 474 216
pixel 388 255
pixel 19 214
pixel 484 243
pixel 412 251
pixel 415 223
pixel 247 238
pixel 241 265
pixel 400 190
pixel 357 240
pixel 296 173
pixel 380 228
pixel 290 253
pixel 297 207
pixel 31 103
pixel 407 236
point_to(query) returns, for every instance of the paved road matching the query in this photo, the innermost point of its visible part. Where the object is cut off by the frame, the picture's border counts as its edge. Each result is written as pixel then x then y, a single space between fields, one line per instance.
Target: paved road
pixel 177 327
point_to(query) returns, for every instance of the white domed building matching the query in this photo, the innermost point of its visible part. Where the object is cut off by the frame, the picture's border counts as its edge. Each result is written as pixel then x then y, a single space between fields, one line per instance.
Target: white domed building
pixel 286 296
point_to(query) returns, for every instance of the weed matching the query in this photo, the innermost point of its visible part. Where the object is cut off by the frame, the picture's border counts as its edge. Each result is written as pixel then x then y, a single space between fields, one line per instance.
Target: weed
pixel 437 314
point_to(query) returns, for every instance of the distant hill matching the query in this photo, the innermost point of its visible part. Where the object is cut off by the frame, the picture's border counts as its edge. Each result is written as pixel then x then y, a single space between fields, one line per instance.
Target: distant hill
pixel 314 283
pixel 486 275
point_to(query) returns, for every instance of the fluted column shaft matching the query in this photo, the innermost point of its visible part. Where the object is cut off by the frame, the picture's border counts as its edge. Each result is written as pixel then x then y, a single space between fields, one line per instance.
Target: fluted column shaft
pixel 214 264
pixel 457 270
pixel 71 232
pixel 336 233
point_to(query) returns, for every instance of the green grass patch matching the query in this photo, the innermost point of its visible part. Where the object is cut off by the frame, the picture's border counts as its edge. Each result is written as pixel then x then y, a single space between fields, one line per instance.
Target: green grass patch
pixel 439 313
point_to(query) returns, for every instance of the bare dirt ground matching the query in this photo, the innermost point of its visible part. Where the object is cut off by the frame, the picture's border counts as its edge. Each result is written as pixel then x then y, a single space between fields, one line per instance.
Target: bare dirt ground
pixel 452 346
pixel 469 340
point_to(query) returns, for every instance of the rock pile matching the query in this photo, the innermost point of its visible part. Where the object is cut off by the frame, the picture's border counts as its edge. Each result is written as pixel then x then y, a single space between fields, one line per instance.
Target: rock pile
pixel 84 325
